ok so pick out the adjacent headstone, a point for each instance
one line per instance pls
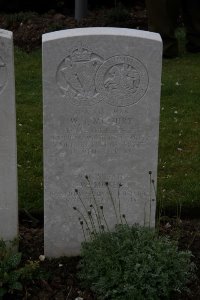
(8, 155)
(101, 127)
(80, 9)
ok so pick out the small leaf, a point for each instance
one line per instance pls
(14, 276)
(16, 286)
(14, 260)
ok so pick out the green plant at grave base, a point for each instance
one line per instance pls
(12, 274)
(134, 263)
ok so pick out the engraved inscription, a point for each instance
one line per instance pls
(76, 76)
(118, 186)
(100, 134)
(3, 74)
(122, 80)
(100, 144)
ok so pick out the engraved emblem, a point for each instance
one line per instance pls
(122, 80)
(3, 74)
(76, 76)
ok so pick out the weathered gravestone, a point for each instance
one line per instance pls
(8, 156)
(101, 125)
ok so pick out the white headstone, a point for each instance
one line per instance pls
(8, 155)
(101, 124)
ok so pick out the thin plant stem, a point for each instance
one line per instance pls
(69, 293)
(119, 201)
(102, 228)
(81, 222)
(77, 192)
(92, 221)
(124, 217)
(150, 198)
(145, 204)
(101, 207)
(83, 217)
(95, 212)
(154, 187)
(158, 205)
(112, 200)
(95, 202)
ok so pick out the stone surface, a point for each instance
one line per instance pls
(101, 124)
(8, 156)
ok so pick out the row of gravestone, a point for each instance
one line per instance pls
(101, 95)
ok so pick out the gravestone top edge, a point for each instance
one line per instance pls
(101, 31)
(6, 33)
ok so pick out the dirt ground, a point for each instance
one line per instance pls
(61, 282)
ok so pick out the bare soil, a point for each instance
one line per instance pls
(60, 281)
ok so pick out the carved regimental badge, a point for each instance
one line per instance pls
(122, 80)
(85, 78)
(3, 75)
(76, 76)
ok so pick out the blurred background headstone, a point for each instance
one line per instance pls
(80, 9)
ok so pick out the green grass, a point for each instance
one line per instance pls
(179, 147)
(29, 129)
